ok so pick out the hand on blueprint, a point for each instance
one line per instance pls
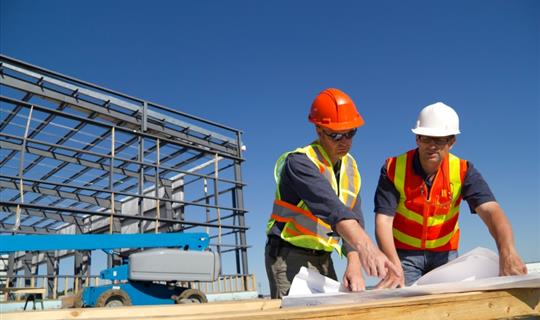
(510, 264)
(374, 262)
(392, 280)
(353, 279)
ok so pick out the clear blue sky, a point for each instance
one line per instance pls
(257, 65)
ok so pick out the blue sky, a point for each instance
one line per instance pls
(257, 65)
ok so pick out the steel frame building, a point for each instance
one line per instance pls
(77, 158)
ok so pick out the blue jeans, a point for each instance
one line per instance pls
(416, 263)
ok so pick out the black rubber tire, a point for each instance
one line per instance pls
(113, 298)
(191, 296)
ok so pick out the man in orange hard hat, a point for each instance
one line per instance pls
(318, 193)
(418, 197)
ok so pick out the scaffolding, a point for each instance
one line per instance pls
(77, 158)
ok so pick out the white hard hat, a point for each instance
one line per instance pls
(437, 120)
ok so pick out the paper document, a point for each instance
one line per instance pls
(495, 283)
(309, 281)
(476, 270)
(479, 263)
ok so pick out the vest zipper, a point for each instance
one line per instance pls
(424, 218)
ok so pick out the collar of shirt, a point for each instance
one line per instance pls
(418, 170)
(337, 167)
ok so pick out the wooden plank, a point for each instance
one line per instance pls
(6, 291)
(20, 293)
(23, 290)
(177, 310)
(463, 306)
(459, 306)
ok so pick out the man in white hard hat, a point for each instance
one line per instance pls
(418, 197)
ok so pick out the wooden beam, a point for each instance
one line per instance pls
(462, 306)
(177, 310)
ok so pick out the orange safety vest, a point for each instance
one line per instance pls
(302, 228)
(427, 221)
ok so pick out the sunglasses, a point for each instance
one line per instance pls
(338, 136)
(440, 141)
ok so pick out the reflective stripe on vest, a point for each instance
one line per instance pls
(302, 228)
(304, 223)
(422, 220)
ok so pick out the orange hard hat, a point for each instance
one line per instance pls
(335, 110)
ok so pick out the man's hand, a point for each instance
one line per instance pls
(510, 264)
(374, 262)
(353, 279)
(392, 281)
(385, 239)
(499, 226)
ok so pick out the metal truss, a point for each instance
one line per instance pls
(79, 158)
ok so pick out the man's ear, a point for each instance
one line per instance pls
(453, 141)
(318, 131)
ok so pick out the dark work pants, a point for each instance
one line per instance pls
(282, 268)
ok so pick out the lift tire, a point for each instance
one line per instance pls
(113, 298)
(191, 296)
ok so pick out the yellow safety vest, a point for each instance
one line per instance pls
(302, 228)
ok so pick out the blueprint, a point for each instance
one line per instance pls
(476, 270)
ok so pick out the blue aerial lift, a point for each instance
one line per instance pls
(148, 277)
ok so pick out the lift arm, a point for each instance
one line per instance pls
(191, 241)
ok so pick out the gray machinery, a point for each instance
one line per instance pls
(148, 277)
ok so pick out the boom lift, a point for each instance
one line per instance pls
(147, 277)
